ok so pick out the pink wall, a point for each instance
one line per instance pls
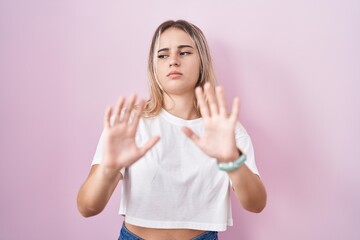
(295, 65)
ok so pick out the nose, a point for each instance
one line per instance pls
(174, 61)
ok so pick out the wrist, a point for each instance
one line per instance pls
(233, 165)
(109, 172)
(234, 156)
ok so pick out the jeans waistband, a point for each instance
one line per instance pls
(125, 234)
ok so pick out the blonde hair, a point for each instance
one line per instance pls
(155, 103)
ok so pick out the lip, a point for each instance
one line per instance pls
(174, 74)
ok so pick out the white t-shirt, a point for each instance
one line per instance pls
(176, 185)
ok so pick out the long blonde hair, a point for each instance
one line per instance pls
(155, 103)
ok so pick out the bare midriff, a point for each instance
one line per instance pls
(163, 234)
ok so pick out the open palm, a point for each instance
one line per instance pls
(218, 140)
(120, 148)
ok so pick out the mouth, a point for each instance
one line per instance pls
(174, 74)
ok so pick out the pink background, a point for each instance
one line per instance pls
(294, 64)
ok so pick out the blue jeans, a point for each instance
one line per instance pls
(125, 234)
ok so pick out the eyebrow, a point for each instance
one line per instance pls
(179, 47)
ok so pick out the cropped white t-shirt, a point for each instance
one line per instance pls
(176, 185)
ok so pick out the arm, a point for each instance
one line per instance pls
(219, 142)
(120, 151)
(248, 188)
(95, 193)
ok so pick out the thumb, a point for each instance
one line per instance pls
(190, 134)
(148, 145)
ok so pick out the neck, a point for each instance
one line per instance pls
(181, 106)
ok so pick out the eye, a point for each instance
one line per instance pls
(185, 53)
(163, 56)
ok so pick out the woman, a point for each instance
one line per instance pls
(178, 154)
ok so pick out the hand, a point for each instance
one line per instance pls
(120, 149)
(218, 140)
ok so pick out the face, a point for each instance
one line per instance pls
(178, 63)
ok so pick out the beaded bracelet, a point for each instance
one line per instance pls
(232, 166)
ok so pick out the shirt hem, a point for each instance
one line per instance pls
(177, 225)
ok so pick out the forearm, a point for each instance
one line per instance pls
(248, 188)
(95, 193)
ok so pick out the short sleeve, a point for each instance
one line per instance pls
(99, 150)
(243, 142)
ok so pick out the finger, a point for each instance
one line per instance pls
(221, 100)
(137, 117)
(129, 108)
(118, 109)
(204, 110)
(190, 134)
(209, 91)
(235, 109)
(107, 117)
(148, 145)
